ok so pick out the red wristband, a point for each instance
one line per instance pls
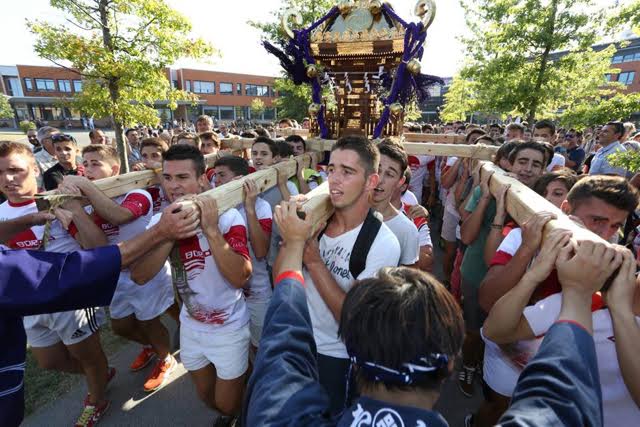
(294, 275)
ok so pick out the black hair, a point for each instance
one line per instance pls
(237, 165)
(531, 145)
(546, 124)
(264, 140)
(618, 127)
(396, 153)
(296, 139)
(284, 149)
(186, 152)
(613, 190)
(413, 316)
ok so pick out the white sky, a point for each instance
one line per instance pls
(224, 24)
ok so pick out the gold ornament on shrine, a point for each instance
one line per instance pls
(312, 71)
(375, 6)
(314, 109)
(414, 67)
(396, 109)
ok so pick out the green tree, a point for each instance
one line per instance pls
(460, 100)
(293, 100)
(257, 106)
(511, 55)
(122, 49)
(6, 112)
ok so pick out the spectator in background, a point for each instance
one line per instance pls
(133, 142)
(189, 139)
(209, 143)
(609, 139)
(32, 137)
(306, 123)
(97, 136)
(204, 124)
(545, 130)
(66, 149)
(514, 131)
(575, 153)
(45, 158)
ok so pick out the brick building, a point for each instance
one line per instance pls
(36, 93)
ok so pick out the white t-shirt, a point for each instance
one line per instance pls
(424, 233)
(259, 286)
(59, 239)
(419, 172)
(273, 195)
(407, 234)
(336, 252)
(618, 406)
(558, 160)
(408, 198)
(449, 201)
(210, 301)
(160, 201)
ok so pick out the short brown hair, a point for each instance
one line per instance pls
(567, 177)
(396, 153)
(613, 190)
(10, 147)
(210, 136)
(190, 137)
(205, 118)
(107, 152)
(154, 142)
(366, 150)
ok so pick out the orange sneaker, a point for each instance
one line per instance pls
(160, 374)
(144, 358)
(91, 414)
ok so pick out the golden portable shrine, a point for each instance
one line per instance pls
(365, 57)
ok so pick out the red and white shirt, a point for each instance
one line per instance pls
(210, 301)
(159, 199)
(424, 234)
(259, 286)
(421, 167)
(59, 239)
(140, 204)
(507, 249)
(618, 406)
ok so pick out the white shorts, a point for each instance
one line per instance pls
(70, 327)
(257, 311)
(145, 302)
(227, 350)
(449, 224)
(499, 373)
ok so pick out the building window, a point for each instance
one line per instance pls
(28, 84)
(627, 58)
(226, 88)
(226, 113)
(239, 88)
(257, 90)
(64, 86)
(607, 77)
(187, 85)
(45, 85)
(204, 87)
(627, 77)
(77, 85)
(269, 113)
(617, 59)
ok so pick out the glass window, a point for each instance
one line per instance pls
(226, 88)
(64, 85)
(204, 87)
(627, 77)
(187, 85)
(238, 88)
(257, 90)
(45, 85)
(269, 113)
(627, 58)
(226, 113)
(28, 84)
(617, 59)
(211, 111)
(607, 77)
(636, 57)
(77, 85)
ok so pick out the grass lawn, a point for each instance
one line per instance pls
(13, 136)
(42, 386)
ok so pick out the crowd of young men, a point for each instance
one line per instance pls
(217, 285)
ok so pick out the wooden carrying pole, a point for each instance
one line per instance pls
(231, 194)
(118, 185)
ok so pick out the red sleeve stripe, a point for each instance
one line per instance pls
(236, 237)
(137, 204)
(500, 258)
(73, 230)
(266, 224)
(292, 275)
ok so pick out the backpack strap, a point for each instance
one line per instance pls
(364, 241)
